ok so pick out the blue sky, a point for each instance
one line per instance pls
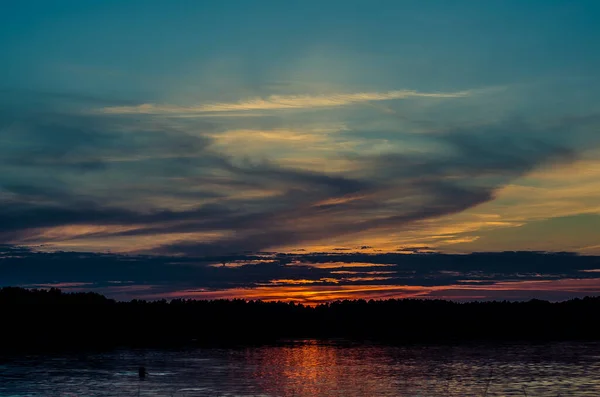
(148, 47)
(210, 128)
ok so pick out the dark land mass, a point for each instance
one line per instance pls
(45, 320)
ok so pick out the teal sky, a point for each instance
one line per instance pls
(207, 128)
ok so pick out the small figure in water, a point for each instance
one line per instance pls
(142, 372)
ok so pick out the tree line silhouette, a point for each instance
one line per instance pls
(39, 320)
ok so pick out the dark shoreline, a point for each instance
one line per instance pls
(52, 321)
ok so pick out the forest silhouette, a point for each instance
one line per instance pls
(41, 320)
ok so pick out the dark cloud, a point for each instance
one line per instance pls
(22, 266)
(73, 168)
(473, 166)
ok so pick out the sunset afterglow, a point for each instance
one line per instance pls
(307, 152)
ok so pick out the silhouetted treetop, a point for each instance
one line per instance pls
(51, 319)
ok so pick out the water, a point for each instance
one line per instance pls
(312, 369)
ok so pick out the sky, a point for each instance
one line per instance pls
(237, 141)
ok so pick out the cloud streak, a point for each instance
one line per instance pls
(164, 186)
(281, 102)
(309, 278)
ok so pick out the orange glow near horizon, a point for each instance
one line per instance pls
(315, 294)
(303, 294)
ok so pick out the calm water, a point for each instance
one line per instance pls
(313, 369)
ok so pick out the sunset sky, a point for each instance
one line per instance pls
(196, 142)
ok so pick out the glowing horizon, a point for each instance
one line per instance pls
(304, 129)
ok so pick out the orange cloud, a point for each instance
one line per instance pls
(335, 265)
(315, 294)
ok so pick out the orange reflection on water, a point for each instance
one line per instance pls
(312, 369)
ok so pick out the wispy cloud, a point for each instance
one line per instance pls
(276, 102)
(184, 186)
(308, 278)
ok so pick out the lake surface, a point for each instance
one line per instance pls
(310, 368)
